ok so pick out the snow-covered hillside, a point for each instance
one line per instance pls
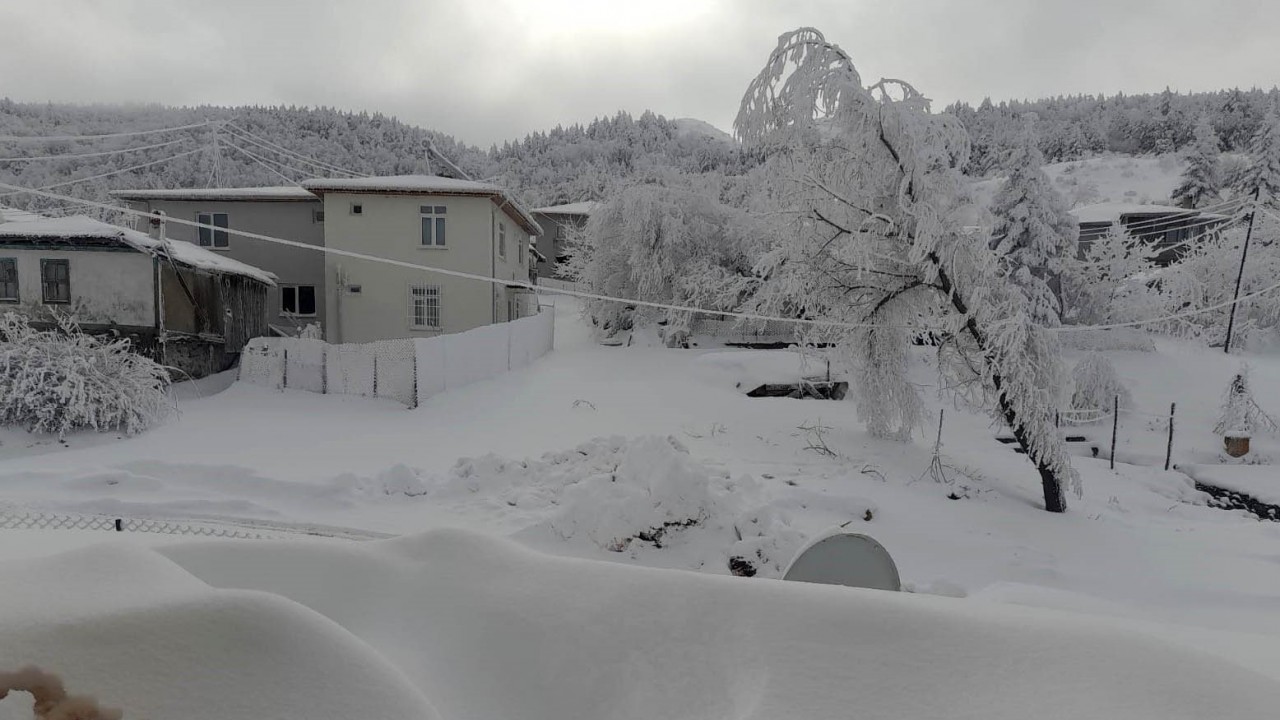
(1111, 178)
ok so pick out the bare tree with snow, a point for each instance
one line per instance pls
(1096, 282)
(1096, 388)
(878, 240)
(1202, 180)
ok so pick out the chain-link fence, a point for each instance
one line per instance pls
(246, 529)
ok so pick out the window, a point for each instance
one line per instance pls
(317, 216)
(55, 281)
(298, 300)
(210, 237)
(424, 306)
(357, 208)
(502, 240)
(432, 225)
(8, 280)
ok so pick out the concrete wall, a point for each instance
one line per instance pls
(389, 227)
(291, 220)
(108, 287)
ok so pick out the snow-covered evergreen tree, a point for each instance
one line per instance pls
(1263, 175)
(1109, 266)
(1095, 385)
(1240, 413)
(1033, 230)
(878, 240)
(1201, 182)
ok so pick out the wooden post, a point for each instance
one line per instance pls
(1244, 253)
(1168, 453)
(1115, 429)
(284, 373)
(324, 369)
(375, 374)
(414, 403)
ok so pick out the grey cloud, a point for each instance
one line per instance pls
(486, 71)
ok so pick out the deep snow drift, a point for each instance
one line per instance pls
(481, 628)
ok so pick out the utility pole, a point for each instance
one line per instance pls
(1244, 253)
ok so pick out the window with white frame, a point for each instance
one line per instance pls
(211, 237)
(432, 218)
(298, 300)
(9, 280)
(424, 307)
(502, 240)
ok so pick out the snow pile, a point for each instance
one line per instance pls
(486, 629)
(638, 496)
(57, 381)
(746, 370)
(137, 632)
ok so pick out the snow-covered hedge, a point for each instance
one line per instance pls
(57, 381)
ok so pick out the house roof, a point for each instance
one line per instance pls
(281, 193)
(578, 208)
(80, 227)
(427, 185)
(8, 214)
(1110, 212)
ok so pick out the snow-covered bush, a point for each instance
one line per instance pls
(60, 380)
(1240, 414)
(1095, 387)
(1095, 281)
(49, 697)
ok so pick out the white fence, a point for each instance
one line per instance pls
(408, 370)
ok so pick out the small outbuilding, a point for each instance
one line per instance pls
(186, 307)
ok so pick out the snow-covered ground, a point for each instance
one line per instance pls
(591, 448)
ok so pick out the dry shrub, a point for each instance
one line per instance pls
(51, 699)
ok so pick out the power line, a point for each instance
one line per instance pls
(242, 134)
(102, 175)
(73, 138)
(606, 298)
(263, 163)
(93, 154)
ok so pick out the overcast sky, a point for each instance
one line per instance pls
(489, 70)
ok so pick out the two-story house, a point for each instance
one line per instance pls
(287, 212)
(455, 225)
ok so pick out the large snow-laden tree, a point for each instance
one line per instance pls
(1201, 182)
(879, 241)
(1033, 231)
(676, 245)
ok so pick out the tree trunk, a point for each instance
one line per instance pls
(1055, 500)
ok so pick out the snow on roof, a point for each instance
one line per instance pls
(1110, 212)
(8, 214)
(184, 253)
(424, 185)
(578, 208)
(281, 193)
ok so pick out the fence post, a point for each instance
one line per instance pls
(324, 369)
(284, 372)
(375, 373)
(1115, 429)
(415, 374)
(1168, 453)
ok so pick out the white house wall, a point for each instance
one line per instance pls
(107, 287)
(389, 227)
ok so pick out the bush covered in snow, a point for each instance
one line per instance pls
(1095, 387)
(60, 380)
(637, 496)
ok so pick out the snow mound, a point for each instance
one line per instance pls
(748, 369)
(488, 629)
(137, 632)
(638, 496)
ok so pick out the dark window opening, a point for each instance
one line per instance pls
(55, 281)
